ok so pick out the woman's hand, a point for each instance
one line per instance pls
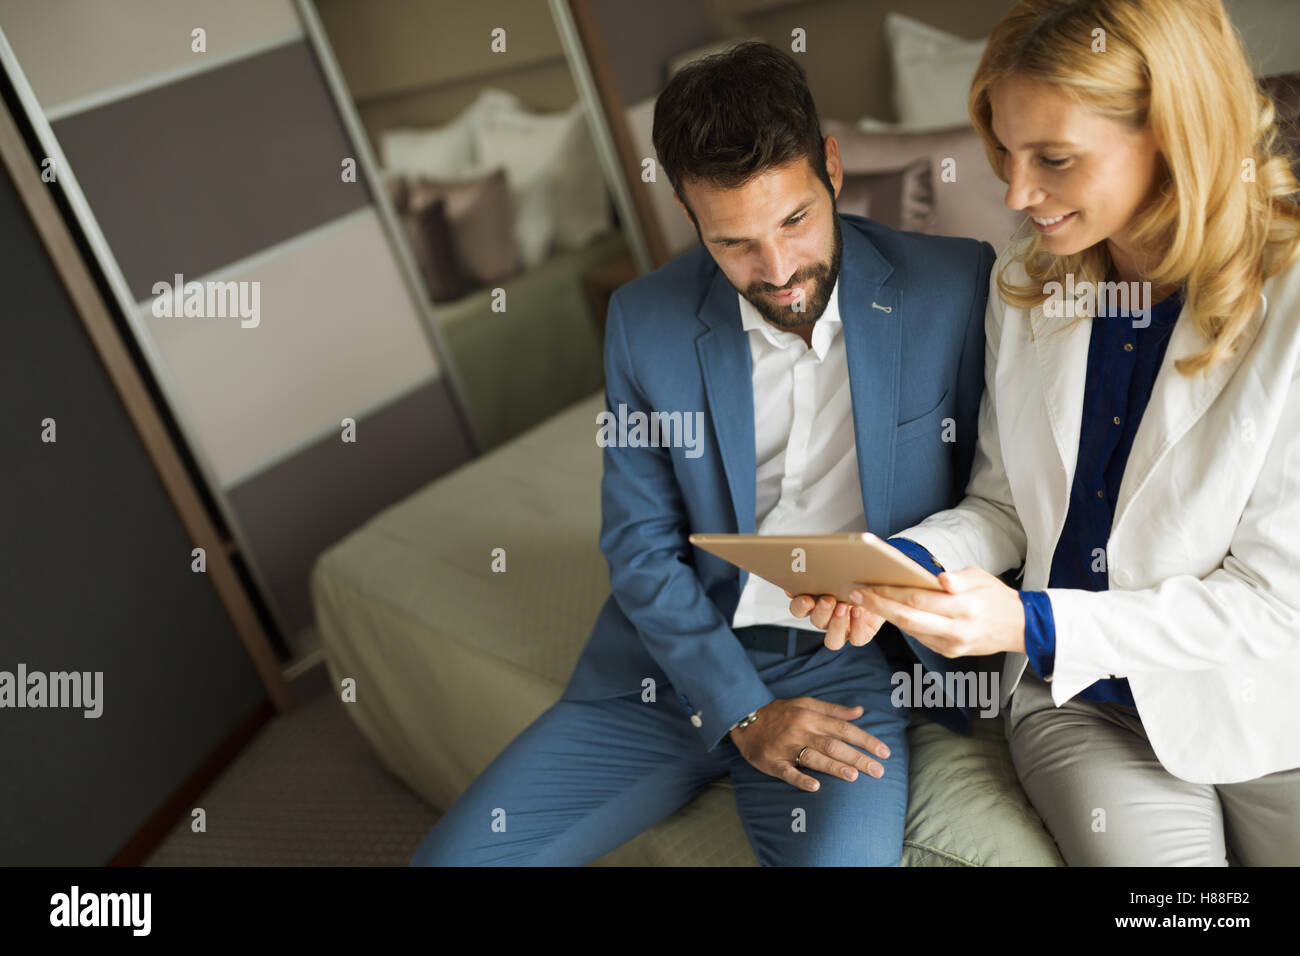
(837, 619)
(975, 614)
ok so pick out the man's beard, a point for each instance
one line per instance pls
(817, 297)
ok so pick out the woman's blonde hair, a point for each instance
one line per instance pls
(1221, 221)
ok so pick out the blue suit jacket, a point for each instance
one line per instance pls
(912, 308)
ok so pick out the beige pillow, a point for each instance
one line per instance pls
(677, 231)
(481, 215)
(969, 205)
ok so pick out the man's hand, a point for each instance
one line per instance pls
(837, 619)
(785, 727)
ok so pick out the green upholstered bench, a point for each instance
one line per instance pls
(542, 353)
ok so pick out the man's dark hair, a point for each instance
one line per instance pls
(730, 116)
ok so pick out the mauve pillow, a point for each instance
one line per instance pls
(970, 205)
(899, 198)
(433, 244)
(482, 219)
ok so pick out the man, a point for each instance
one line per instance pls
(837, 366)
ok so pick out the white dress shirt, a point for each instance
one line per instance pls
(807, 461)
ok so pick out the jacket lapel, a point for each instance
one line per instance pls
(1061, 344)
(872, 316)
(728, 382)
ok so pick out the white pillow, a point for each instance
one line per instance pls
(582, 204)
(554, 175)
(933, 70)
(443, 152)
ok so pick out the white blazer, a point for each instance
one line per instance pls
(1203, 560)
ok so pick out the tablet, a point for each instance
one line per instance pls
(819, 563)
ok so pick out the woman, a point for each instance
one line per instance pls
(1144, 468)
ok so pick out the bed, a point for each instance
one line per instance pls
(452, 659)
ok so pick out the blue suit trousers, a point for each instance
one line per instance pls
(588, 776)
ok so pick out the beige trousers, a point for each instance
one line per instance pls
(1092, 776)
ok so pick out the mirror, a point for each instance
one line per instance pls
(486, 152)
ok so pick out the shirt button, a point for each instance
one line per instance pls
(1101, 494)
(695, 719)
(1128, 346)
(1116, 419)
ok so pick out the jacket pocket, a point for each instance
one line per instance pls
(921, 424)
